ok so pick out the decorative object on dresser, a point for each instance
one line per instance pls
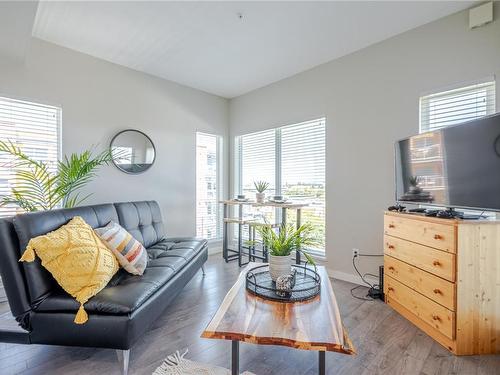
(247, 318)
(261, 187)
(442, 275)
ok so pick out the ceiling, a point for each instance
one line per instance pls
(228, 48)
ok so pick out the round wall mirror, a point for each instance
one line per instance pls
(133, 151)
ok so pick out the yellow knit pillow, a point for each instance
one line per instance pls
(77, 258)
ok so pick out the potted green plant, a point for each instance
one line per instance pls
(261, 187)
(282, 243)
(414, 181)
(39, 188)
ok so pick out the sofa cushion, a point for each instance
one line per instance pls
(77, 258)
(183, 248)
(39, 281)
(142, 220)
(125, 293)
(130, 253)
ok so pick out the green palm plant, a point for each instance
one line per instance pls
(39, 188)
(289, 239)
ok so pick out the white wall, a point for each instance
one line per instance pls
(370, 99)
(98, 99)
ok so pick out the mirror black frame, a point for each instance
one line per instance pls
(147, 137)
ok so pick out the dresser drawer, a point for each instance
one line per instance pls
(439, 236)
(433, 287)
(437, 262)
(425, 309)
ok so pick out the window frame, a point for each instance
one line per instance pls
(462, 86)
(238, 166)
(219, 188)
(58, 119)
(472, 85)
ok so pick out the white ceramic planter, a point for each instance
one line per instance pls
(260, 197)
(279, 266)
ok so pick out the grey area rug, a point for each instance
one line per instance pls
(176, 364)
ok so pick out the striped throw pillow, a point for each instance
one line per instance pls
(130, 253)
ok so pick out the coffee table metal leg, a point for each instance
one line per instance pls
(235, 357)
(322, 363)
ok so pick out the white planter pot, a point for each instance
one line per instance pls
(279, 266)
(260, 197)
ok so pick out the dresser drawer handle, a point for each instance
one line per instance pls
(437, 291)
(435, 317)
(438, 237)
(392, 226)
(391, 268)
(436, 263)
(390, 289)
(389, 246)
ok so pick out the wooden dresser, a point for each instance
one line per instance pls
(444, 276)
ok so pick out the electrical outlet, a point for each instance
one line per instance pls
(355, 253)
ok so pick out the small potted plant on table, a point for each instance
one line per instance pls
(281, 245)
(414, 182)
(261, 187)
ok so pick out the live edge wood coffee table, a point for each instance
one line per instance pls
(310, 325)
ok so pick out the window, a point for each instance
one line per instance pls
(258, 161)
(444, 109)
(455, 106)
(35, 128)
(292, 160)
(208, 186)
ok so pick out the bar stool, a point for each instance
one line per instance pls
(253, 252)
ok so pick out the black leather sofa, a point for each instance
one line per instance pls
(124, 309)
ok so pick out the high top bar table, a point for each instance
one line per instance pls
(240, 221)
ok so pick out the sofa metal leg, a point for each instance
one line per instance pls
(123, 358)
(203, 270)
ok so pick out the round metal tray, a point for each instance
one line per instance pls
(307, 284)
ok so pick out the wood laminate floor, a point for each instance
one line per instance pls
(386, 342)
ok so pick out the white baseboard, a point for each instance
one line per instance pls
(352, 278)
(214, 249)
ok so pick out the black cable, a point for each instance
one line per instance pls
(371, 287)
(360, 298)
(359, 273)
(370, 255)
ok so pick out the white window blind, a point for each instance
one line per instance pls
(303, 170)
(258, 161)
(292, 160)
(35, 129)
(455, 106)
(448, 108)
(208, 186)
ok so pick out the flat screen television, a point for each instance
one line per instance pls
(455, 167)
